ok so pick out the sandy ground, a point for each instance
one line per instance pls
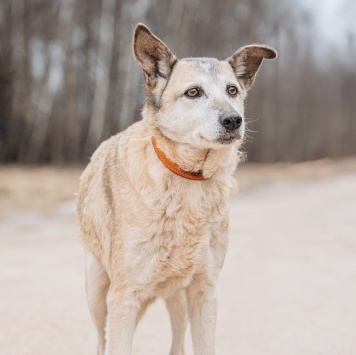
(288, 286)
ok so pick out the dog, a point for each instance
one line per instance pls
(153, 202)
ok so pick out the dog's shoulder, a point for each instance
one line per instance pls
(104, 185)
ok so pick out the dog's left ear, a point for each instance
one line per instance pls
(153, 56)
(247, 61)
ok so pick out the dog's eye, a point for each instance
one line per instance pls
(193, 92)
(232, 90)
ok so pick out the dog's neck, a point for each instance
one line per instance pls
(191, 159)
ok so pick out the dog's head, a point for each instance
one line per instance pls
(199, 101)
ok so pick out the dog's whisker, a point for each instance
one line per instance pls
(249, 122)
(251, 118)
(250, 130)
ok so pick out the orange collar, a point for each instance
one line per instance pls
(174, 167)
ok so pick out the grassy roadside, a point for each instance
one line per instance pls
(39, 188)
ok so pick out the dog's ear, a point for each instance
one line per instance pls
(153, 56)
(247, 61)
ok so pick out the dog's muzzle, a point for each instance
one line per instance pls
(231, 121)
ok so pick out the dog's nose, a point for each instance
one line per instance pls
(231, 122)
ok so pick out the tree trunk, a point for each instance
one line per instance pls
(102, 75)
(49, 89)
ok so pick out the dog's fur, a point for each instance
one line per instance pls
(148, 232)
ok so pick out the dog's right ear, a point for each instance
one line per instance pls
(153, 56)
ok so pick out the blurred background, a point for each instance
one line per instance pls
(68, 81)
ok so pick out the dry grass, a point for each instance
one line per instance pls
(251, 175)
(35, 188)
(39, 188)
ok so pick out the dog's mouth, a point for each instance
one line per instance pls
(224, 139)
(227, 140)
(229, 137)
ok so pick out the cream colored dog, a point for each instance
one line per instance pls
(153, 202)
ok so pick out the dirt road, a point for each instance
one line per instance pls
(288, 286)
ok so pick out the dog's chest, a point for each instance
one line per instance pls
(187, 210)
(179, 224)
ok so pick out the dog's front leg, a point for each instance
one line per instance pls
(123, 307)
(177, 308)
(201, 298)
